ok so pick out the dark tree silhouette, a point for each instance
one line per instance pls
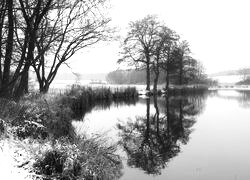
(139, 45)
(68, 28)
(166, 37)
(44, 35)
(16, 65)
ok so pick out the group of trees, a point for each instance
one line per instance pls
(152, 46)
(41, 35)
(135, 76)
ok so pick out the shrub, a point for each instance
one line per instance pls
(10, 110)
(38, 116)
(31, 129)
(85, 159)
(52, 162)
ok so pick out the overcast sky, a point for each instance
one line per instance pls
(218, 32)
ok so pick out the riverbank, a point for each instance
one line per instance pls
(29, 159)
(38, 139)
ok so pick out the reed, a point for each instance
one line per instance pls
(83, 99)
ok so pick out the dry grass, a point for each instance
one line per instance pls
(83, 159)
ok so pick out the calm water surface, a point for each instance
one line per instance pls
(196, 137)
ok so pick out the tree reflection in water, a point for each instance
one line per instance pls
(152, 140)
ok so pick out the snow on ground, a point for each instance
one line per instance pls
(13, 153)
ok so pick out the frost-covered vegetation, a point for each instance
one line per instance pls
(37, 135)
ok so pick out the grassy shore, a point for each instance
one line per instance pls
(38, 128)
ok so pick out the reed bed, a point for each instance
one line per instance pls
(83, 99)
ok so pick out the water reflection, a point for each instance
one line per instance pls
(102, 105)
(151, 141)
(154, 131)
(242, 97)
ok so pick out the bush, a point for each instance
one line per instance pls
(38, 117)
(52, 163)
(24, 119)
(85, 159)
(31, 129)
(10, 110)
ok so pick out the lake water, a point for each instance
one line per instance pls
(195, 137)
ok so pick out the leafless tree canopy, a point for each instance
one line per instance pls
(44, 34)
(151, 45)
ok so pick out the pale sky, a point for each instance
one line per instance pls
(218, 32)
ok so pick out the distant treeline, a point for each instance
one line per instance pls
(129, 77)
(138, 77)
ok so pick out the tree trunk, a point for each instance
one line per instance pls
(148, 120)
(43, 87)
(181, 71)
(26, 82)
(9, 50)
(156, 81)
(156, 114)
(168, 114)
(148, 77)
(2, 17)
(181, 75)
(167, 81)
(22, 86)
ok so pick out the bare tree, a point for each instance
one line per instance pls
(166, 37)
(8, 47)
(20, 46)
(70, 27)
(9, 44)
(186, 68)
(139, 45)
(2, 18)
(183, 57)
(33, 13)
